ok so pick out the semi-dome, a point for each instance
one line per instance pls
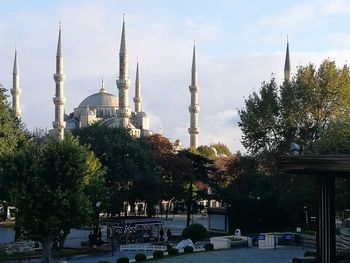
(100, 99)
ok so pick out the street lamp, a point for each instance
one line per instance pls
(306, 211)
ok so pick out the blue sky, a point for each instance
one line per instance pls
(239, 45)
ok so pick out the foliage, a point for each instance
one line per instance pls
(221, 149)
(49, 181)
(170, 167)
(195, 232)
(130, 166)
(209, 247)
(200, 172)
(158, 254)
(264, 202)
(188, 249)
(123, 260)
(206, 152)
(173, 252)
(12, 135)
(140, 257)
(299, 111)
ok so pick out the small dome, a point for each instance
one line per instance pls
(100, 99)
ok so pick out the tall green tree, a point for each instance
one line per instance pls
(11, 131)
(50, 188)
(170, 167)
(129, 164)
(298, 111)
(12, 137)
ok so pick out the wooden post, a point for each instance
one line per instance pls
(326, 241)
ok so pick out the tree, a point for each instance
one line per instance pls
(221, 149)
(199, 176)
(129, 165)
(206, 152)
(50, 185)
(12, 136)
(299, 111)
(170, 167)
(11, 131)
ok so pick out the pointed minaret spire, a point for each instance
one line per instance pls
(194, 107)
(287, 64)
(59, 123)
(123, 83)
(137, 98)
(15, 91)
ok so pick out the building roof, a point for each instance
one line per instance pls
(100, 99)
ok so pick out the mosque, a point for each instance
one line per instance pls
(104, 107)
(109, 109)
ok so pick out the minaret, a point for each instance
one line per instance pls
(287, 64)
(137, 98)
(194, 108)
(15, 91)
(59, 100)
(123, 83)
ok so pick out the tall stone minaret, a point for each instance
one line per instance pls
(194, 108)
(59, 100)
(137, 98)
(287, 64)
(15, 91)
(123, 83)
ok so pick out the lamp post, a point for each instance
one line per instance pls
(306, 211)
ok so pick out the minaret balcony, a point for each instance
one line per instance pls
(59, 124)
(194, 88)
(123, 83)
(193, 108)
(137, 99)
(193, 130)
(59, 100)
(124, 113)
(15, 92)
(59, 77)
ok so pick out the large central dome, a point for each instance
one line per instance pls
(100, 99)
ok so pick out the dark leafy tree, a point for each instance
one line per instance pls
(129, 165)
(50, 188)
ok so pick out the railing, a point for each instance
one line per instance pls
(142, 247)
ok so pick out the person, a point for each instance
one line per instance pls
(108, 234)
(91, 239)
(161, 234)
(99, 235)
(168, 233)
(114, 241)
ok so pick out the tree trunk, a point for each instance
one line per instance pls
(189, 205)
(6, 214)
(46, 250)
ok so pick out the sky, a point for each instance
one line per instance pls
(239, 44)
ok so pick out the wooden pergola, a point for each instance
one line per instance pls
(325, 168)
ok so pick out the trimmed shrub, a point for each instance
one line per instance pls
(310, 254)
(123, 260)
(195, 232)
(188, 249)
(168, 247)
(173, 252)
(209, 247)
(158, 254)
(140, 257)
